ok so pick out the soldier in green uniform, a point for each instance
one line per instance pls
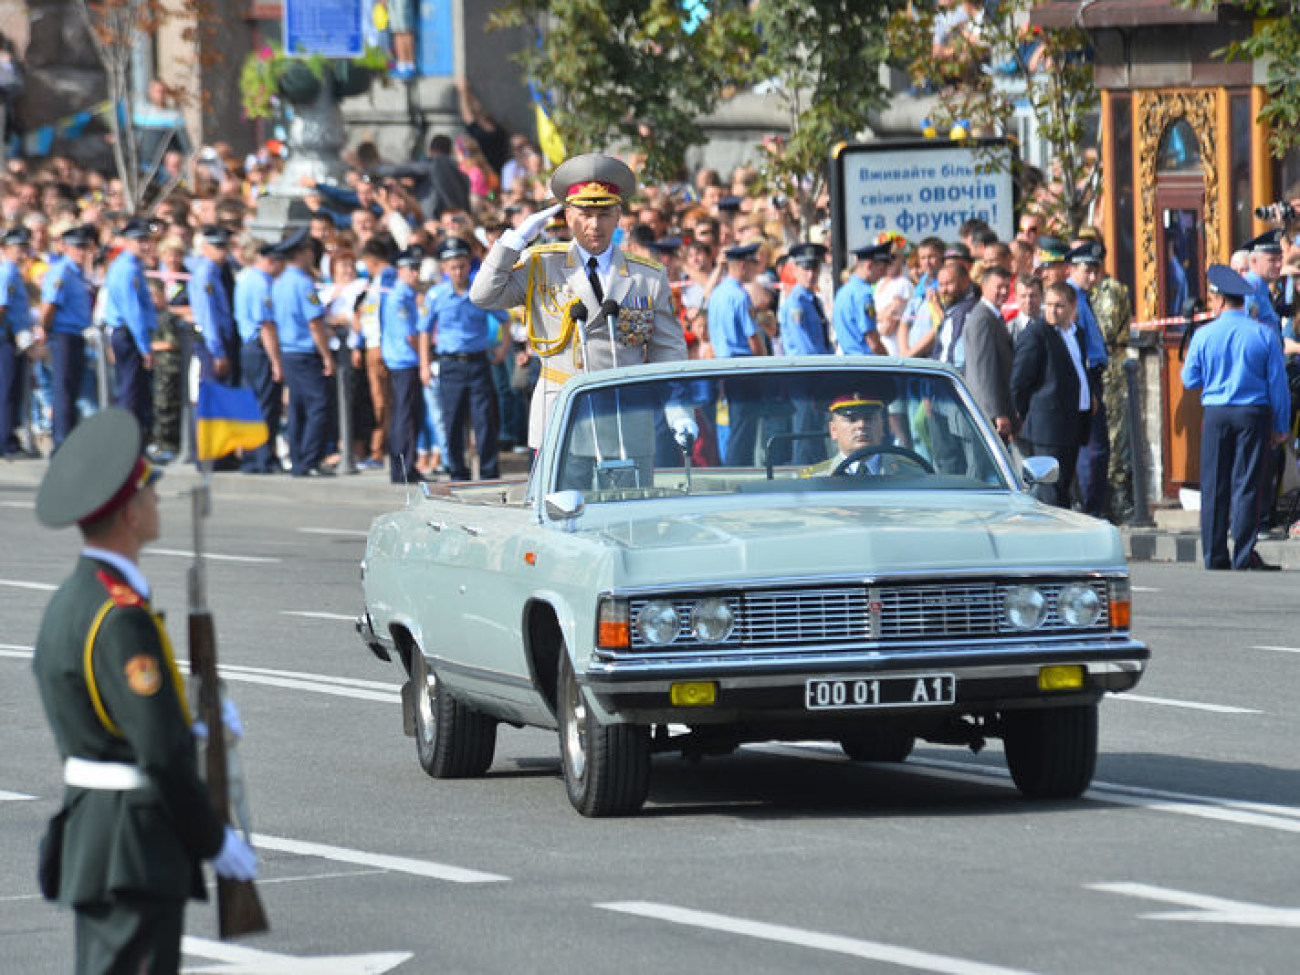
(138, 819)
(166, 434)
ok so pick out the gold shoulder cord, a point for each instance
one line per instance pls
(168, 656)
(545, 347)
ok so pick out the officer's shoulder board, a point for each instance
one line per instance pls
(648, 262)
(121, 594)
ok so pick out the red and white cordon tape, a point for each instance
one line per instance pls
(1155, 323)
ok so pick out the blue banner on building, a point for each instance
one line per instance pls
(330, 28)
(436, 56)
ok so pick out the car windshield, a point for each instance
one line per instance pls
(779, 431)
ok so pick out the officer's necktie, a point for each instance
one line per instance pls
(821, 313)
(594, 278)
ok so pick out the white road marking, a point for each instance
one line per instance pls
(349, 532)
(1166, 702)
(1143, 589)
(14, 796)
(312, 615)
(17, 651)
(17, 504)
(1216, 910)
(213, 556)
(418, 868)
(238, 960)
(873, 950)
(23, 584)
(362, 690)
(1279, 649)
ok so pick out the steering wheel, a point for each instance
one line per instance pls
(862, 453)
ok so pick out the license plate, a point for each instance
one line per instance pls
(876, 692)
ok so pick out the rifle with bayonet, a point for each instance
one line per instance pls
(239, 909)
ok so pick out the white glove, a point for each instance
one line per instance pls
(517, 238)
(236, 858)
(686, 431)
(229, 718)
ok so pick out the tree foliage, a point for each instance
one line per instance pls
(1275, 40)
(115, 26)
(1004, 62)
(628, 71)
(822, 60)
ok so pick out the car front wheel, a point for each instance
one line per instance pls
(606, 766)
(452, 740)
(1051, 752)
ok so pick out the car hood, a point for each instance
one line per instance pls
(884, 536)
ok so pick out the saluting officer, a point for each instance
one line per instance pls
(65, 315)
(1236, 362)
(404, 344)
(213, 319)
(464, 336)
(137, 817)
(853, 312)
(551, 280)
(305, 355)
(805, 330)
(130, 315)
(15, 317)
(259, 350)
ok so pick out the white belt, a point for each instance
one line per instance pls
(110, 776)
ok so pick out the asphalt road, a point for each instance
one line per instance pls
(1182, 858)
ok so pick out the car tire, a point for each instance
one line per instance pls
(1051, 752)
(878, 745)
(606, 766)
(452, 740)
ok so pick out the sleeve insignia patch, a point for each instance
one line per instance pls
(143, 675)
(313, 298)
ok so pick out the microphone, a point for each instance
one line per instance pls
(608, 307)
(579, 312)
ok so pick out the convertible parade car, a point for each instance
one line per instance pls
(718, 552)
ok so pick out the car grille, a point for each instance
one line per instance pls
(858, 614)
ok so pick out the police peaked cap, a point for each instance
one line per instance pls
(957, 252)
(730, 204)
(1092, 252)
(1269, 242)
(666, 245)
(453, 247)
(215, 236)
(138, 228)
(1223, 280)
(593, 180)
(741, 252)
(18, 236)
(807, 255)
(97, 470)
(410, 257)
(1051, 250)
(292, 244)
(82, 235)
(874, 252)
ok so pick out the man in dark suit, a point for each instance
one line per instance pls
(1049, 388)
(137, 817)
(988, 351)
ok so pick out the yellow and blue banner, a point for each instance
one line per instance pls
(226, 419)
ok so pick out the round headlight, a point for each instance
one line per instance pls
(1026, 607)
(712, 620)
(1079, 605)
(658, 622)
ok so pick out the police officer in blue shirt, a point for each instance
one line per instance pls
(853, 313)
(1236, 363)
(259, 353)
(404, 344)
(15, 317)
(1265, 262)
(129, 314)
(465, 337)
(735, 334)
(305, 355)
(805, 330)
(213, 319)
(65, 315)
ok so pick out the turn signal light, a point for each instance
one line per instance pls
(696, 693)
(613, 630)
(1069, 678)
(1120, 614)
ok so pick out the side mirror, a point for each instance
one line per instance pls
(564, 505)
(1040, 470)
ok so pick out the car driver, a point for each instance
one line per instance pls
(858, 422)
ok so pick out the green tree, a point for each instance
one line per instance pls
(1275, 41)
(982, 74)
(629, 71)
(821, 59)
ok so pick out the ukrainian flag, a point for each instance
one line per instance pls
(226, 419)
